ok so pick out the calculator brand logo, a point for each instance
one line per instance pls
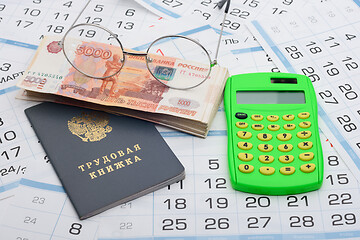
(90, 127)
(54, 47)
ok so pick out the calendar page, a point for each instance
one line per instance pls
(208, 11)
(17, 142)
(30, 21)
(323, 43)
(203, 205)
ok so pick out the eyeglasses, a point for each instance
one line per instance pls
(96, 52)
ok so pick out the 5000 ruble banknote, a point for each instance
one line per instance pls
(134, 87)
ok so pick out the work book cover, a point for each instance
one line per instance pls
(103, 160)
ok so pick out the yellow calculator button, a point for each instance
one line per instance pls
(286, 158)
(245, 156)
(303, 134)
(266, 158)
(305, 124)
(289, 126)
(304, 115)
(285, 147)
(272, 118)
(241, 124)
(244, 134)
(284, 136)
(288, 117)
(246, 168)
(307, 168)
(265, 147)
(306, 156)
(257, 127)
(244, 145)
(264, 136)
(287, 170)
(305, 145)
(273, 127)
(267, 170)
(257, 117)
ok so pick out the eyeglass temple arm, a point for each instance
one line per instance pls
(220, 5)
(78, 16)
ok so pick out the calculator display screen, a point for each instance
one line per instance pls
(270, 97)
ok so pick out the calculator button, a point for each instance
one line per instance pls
(273, 127)
(267, 170)
(289, 126)
(266, 158)
(307, 168)
(244, 134)
(288, 117)
(272, 118)
(244, 145)
(306, 124)
(287, 170)
(257, 117)
(286, 158)
(241, 115)
(241, 124)
(304, 115)
(306, 156)
(246, 168)
(284, 136)
(265, 147)
(264, 136)
(303, 134)
(285, 147)
(257, 127)
(305, 145)
(245, 156)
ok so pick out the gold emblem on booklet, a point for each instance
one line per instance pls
(91, 126)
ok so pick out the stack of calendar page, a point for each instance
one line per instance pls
(319, 39)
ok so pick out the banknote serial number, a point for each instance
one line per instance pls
(47, 75)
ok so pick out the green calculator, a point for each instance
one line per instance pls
(273, 136)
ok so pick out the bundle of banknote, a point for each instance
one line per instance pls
(133, 92)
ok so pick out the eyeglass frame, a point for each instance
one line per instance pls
(212, 62)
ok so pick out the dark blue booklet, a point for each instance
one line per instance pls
(103, 160)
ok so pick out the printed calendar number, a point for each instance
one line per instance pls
(220, 202)
(204, 14)
(348, 91)
(340, 179)
(5, 67)
(295, 201)
(218, 183)
(345, 219)
(12, 170)
(294, 52)
(251, 3)
(333, 161)
(258, 202)
(174, 224)
(301, 221)
(339, 199)
(258, 222)
(75, 229)
(179, 203)
(310, 73)
(10, 153)
(346, 123)
(217, 223)
(214, 164)
(172, 3)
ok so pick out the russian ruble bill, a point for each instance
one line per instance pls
(132, 88)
